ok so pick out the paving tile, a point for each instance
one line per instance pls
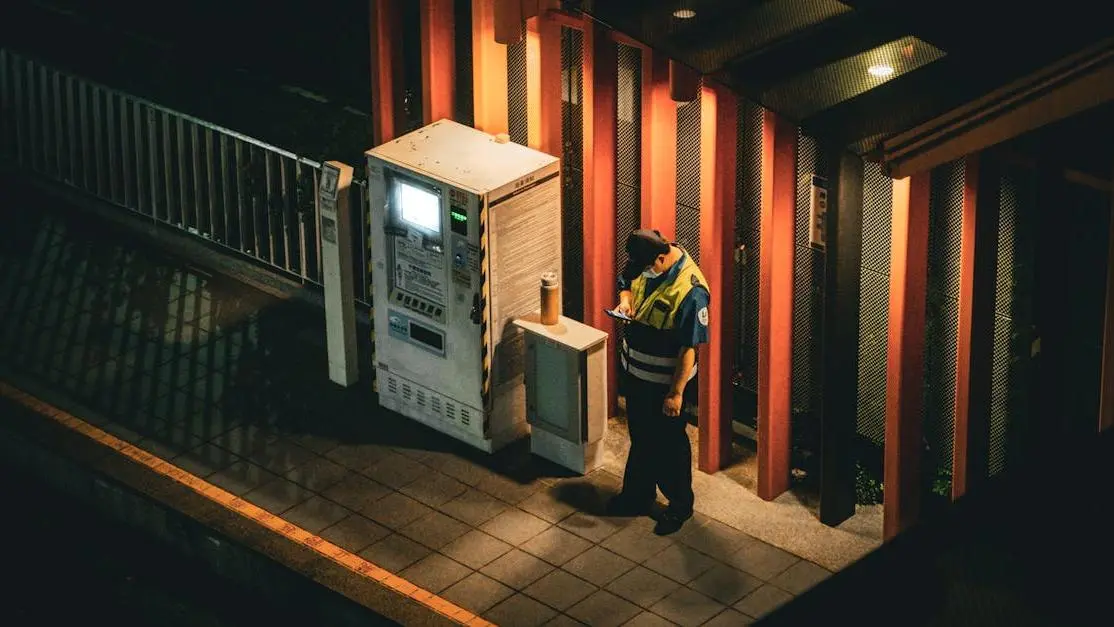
(279, 495)
(476, 549)
(242, 477)
(316, 514)
(636, 543)
(356, 492)
(474, 507)
(603, 609)
(515, 526)
(477, 593)
(435, 572)
(563, 620)
(358, 457)
(800, 577)
(592, 528)
(464, 471)
(556, 546)
(546, 506)
(680, 563)
(281, 456)
(394, 552)
(355, 533)
(396, 511)
(729, 618)
(726, 584)
(318, 473)
(559, 589)
(598, 565)
(711, 537)
(763, 601)
(204, 460)
(648, 619)
(642, 586)
(517, 569)
(435, 530)
(519, 610)
(507, 490)
(687, 607)
(395, 471)
(760, 559)
(319, 444)
(434, 489)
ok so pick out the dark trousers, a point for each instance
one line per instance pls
(660, 456)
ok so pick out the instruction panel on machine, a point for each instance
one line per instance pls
(418, 270)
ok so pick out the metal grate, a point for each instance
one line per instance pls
(808, 281)
(517, 109)
(572, 163)
(874, 303)
(748, 232)
(688, 177)
(464, 106)
(628, 168)
(942, 310)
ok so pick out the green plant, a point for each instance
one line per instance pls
(868, 488)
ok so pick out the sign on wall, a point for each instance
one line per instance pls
(817, 213)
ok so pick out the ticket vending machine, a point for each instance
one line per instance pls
(463, 224)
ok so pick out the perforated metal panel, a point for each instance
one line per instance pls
(572, 155)
(463, 106)
(748, 232)
(874, 277)
(628, 148)
(688, 177)
(808, 282)
(517, 112)
(942, 311)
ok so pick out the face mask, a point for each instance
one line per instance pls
(650, 274)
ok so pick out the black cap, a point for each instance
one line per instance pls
(644, 245)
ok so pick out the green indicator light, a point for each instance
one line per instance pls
(459, 217)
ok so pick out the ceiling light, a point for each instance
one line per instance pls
(880, 70)
(684, 14)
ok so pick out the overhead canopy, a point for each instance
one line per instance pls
(859, 72)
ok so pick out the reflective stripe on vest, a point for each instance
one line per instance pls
(650, 367)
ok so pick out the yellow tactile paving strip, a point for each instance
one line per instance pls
(230, 501)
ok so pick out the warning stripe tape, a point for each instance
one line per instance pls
(485, 299)
(232, 502)
(370, 287)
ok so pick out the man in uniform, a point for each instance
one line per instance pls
(666, 295)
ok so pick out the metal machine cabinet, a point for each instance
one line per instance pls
(566, 391)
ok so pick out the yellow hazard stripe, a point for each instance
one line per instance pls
(230, 501)
(485, 303)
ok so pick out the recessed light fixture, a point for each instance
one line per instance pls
(880, 70)
(684, 14)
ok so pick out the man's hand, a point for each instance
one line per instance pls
(672, 405)
(624, 306)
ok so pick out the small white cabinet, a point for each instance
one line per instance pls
(566, 391)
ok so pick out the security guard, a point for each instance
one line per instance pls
(666, 295)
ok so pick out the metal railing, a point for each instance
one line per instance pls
(219, 185)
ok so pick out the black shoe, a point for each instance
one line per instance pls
(625, 506)
(671, 521)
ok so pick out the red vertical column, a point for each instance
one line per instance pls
(438, 59)
(489, 71)
(718, 136)
(543, 84)
(975, 337)
(600, 94)
(905, 352)
(386, 68)
(659, 147)
(775, 304)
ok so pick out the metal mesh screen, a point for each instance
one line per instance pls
(628, 167)
(874, 300)
(748, 232)
(463, 104)
(688, 177)
(942, 311)
(808, 282)
(517, 109)
(411, 118)
(572, 175)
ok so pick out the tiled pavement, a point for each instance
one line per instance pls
(231, 385)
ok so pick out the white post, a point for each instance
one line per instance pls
(336, 262)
